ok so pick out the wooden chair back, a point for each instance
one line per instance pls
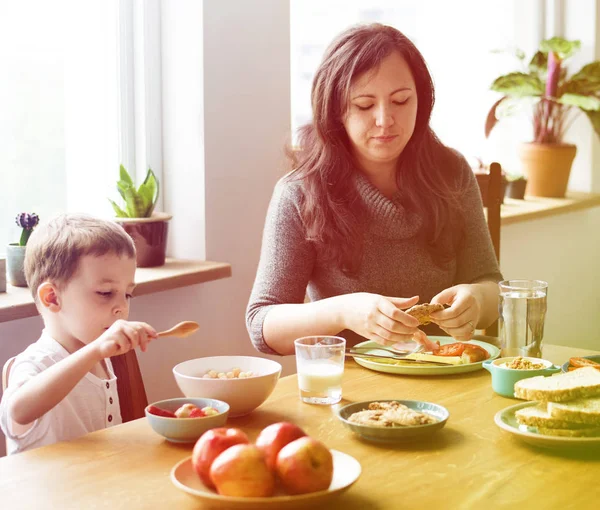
(490, 186)
(132, 393)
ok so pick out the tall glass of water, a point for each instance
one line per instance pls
(522, 316)
(320, 365)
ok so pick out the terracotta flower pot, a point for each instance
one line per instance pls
(15, 261)
(547, 167)
(149, 236)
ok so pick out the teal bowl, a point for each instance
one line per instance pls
(504, 379)
(186, 430)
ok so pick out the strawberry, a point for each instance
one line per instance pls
(160, 412)
(196, 413)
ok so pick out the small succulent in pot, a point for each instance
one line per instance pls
(140, 202)
(15, 252)
(147, 228)
(27, 222)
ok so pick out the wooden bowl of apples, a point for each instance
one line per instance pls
(284, 468)
(184, 420)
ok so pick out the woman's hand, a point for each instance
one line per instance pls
(461, 319)
(124, 336)
(382, 319)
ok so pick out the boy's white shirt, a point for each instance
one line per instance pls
(85, 409)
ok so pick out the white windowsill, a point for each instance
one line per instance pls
(17, 302)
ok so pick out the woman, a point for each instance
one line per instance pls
(376, 214)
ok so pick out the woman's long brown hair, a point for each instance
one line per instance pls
(427, 171)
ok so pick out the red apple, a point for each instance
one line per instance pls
(305, 465)
(242, 471)
(210, 445)
(274, 437)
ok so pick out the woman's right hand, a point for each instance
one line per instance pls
(382, 319)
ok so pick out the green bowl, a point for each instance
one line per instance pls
(186, 430)
(394, 434)
(504, 379)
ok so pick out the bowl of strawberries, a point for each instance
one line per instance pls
(184, 420)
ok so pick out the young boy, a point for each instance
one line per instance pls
(81, 272)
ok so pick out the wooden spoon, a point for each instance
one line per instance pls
(183, 329)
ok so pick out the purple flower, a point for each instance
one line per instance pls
(27, 221)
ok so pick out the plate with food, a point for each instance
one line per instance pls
(346, 470)
(393, 420)
(563, 410)
(580, 362)
(452, 358)
(534, 424)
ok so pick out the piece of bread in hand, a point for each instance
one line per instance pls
(583, 382)
(581, 410)
(539, 416)
(421, 312)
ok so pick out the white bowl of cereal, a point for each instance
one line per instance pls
(244, 382)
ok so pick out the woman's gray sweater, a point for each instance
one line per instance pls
(395, 260)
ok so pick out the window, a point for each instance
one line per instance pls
(79, 94)
(456, 39)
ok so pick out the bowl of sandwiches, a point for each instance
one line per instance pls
(563, 409)
(509, 370)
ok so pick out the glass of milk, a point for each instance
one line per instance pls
(320, 365)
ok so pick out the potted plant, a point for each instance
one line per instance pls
(515, 186)
(15, 252)
(555, 98)
(147, 228)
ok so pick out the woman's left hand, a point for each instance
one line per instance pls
(461, 319)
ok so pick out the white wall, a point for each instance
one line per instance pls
(225, 115)
(564, 251)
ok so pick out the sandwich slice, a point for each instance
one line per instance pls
(580, 383)
(581, 410)
(589, 432)
(539, 416)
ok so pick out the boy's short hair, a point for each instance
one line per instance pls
(56, 246)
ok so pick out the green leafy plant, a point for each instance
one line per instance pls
(27, 222)
(140, 202)
(554, 97)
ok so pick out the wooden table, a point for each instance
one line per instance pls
(471, 463)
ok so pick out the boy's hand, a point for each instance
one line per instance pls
(123, 336)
